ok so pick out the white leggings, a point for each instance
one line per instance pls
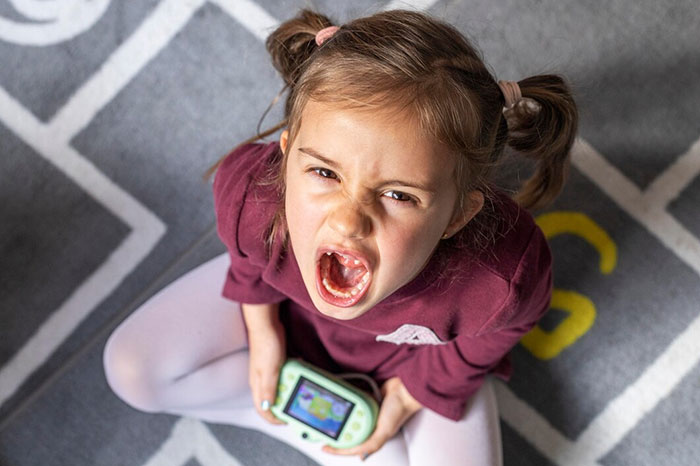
(184, 352)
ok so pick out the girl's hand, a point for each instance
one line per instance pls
(267, 355)
(397, 407)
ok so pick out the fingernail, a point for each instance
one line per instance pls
(265, 405)
(365, 456)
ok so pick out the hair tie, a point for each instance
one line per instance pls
(511, 92)
(325, 34)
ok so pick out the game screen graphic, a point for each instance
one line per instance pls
(319, 408)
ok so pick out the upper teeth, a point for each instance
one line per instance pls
(346, 259)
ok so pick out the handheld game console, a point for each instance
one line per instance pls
(322, 407)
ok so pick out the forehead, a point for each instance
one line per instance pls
(384, 142)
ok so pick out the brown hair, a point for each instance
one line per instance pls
(410, 61)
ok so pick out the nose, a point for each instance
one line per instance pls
(350, 221)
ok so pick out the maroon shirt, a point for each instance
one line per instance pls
(440, 333)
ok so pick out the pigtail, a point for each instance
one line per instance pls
(290, 46)
(293, 42)
(542, 127)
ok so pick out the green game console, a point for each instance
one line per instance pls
(323, 407)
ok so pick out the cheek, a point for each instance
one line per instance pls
(407, 249)
(303, 213)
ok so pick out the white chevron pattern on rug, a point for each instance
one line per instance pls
(53, 141)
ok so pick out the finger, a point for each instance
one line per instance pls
(268, 395)
(263, 401)
(264, 410)
(262, 406)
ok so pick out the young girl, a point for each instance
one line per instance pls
(369, 239)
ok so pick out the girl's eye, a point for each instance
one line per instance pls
(399, 197)
(325, 173)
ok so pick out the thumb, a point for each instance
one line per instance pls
(268, 391)
(268, 395)
(268, 385)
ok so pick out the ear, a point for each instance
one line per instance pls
(284, 137)
(475, 201)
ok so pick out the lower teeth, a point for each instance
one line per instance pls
(333, 291)
(345, 294)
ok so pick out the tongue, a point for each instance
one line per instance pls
(342, 276)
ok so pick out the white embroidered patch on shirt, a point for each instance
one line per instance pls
(412, 335)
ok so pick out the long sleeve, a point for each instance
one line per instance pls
(453, 372)
(242, 219)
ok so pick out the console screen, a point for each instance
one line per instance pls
(319, 408)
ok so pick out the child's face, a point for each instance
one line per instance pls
(367, 201)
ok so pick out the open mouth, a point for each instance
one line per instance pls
(342, 279)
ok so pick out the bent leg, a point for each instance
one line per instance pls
(184, 352)
(393, 453)
(184, 348)
(475, 440)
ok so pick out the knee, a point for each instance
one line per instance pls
(128, 374)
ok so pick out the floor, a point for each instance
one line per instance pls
(109, 117)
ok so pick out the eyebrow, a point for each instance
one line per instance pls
(333, 164)
(313, 153)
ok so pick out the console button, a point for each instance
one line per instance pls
(356, 426)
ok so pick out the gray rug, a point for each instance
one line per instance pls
(109, 116)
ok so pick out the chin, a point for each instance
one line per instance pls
(339, 313)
